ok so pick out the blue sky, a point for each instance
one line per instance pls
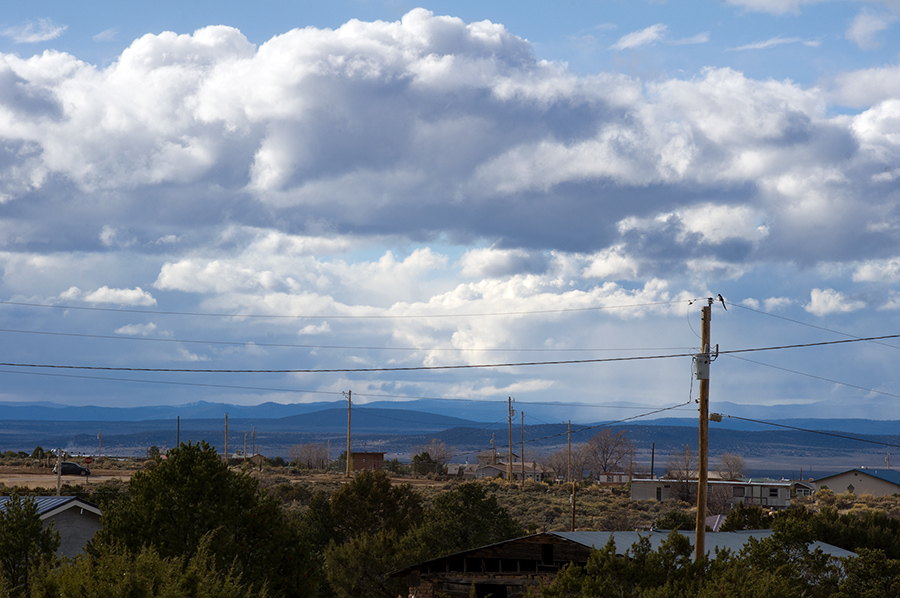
(376, 185)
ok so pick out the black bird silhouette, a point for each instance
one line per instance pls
(723, 302)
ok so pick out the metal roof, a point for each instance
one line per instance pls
(888, 475)
(733, 541)
(48, 506)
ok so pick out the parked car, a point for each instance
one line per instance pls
(69, 468)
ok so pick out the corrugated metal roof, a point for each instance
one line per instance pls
(733, 541)
(48, 504)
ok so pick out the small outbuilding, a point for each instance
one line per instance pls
(370, 461)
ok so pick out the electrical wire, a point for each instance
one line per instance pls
(790, 371)
(328, 392)
(586, 428)
(305, 346)
(339, 316)
(808, 325)
(435, 367)
(821, 432)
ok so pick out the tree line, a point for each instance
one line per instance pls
(190, 525)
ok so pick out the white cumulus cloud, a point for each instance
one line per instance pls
(825, 302)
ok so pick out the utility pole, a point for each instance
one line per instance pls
(509, 462)
(702, 373)
(569, 455)
(523, 449)
(573, 505)
(493, 450)
(349, 457)
(226, 438)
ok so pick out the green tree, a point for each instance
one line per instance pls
(371, 503)
(24, 543)
(114, 572)
(750, 517)
(318, 531)
(358, 568)
(462, 518)
(193, 495)
(423, 463)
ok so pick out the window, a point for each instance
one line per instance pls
(737, 491)
(773, 492)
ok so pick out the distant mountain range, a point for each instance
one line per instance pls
(768, 445)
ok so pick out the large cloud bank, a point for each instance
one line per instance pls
(248, 176)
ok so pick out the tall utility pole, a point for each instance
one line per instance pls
(509, 462)
(702, 373)
(349, 457)
(569, 455)
(523, 449)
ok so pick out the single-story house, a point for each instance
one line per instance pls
(75, 519)
(507, 569)
(774, 494)
(877, 482)
(613, 478)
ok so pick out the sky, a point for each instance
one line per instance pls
(372, 187)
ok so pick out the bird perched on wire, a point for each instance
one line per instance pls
(723, 302)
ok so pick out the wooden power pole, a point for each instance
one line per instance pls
(702, 373)
(509, 461)
(523, 449)
(349, 457)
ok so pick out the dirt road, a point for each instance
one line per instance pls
(30, 478)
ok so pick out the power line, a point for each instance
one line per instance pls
(330, 392)
(338, 316)
(434, 367)
(306, 346)
(822, 432)
(768, 365)
(802, 323)
(586, 428)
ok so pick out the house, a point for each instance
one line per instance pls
(877, 482)
(75, 519)
(775, 494)
(363, 461)
(613, 479)
(508, 569)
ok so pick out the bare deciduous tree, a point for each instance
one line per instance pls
(438, 451)
(558, 462)
(731, 466)
(718, 500)
(313, 456)
(609, 451)
(682, 470)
